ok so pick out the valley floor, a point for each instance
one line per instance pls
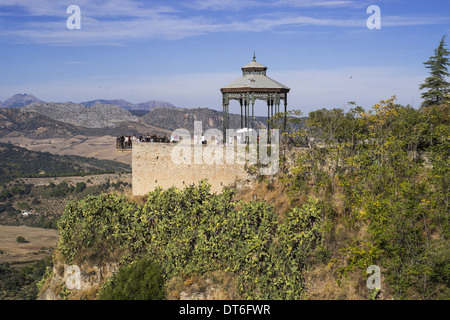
(102, 147)
(39, 243)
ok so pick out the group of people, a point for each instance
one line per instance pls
(126, 142)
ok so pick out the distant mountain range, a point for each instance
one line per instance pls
(145, 106)
(97, 116)
(22, 100)
(40, 119)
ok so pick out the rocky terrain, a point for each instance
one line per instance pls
(149, 105)
(175, 118)
(144, 106)
(33, 125)
(97, 116)
(119, 102)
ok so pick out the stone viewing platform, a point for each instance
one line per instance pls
(179, 165)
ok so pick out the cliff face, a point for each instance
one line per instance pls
(84, 280)
(62, 284)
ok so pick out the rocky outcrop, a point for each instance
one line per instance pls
(149, 105)
(72, 282)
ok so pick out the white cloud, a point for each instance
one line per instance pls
(121, 21)
(218, 5)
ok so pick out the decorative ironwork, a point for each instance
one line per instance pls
(248, 89)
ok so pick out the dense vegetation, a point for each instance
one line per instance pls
(192, 231)
(16, 162)
(21, 283)
(385, 174)
(46, 202)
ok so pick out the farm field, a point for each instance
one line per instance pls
(39, 243)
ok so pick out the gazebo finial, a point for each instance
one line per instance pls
(254, 56)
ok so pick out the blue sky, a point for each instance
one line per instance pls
(183, 52)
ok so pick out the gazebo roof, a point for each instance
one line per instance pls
(254, 65)
(248, 82)
(254, 79)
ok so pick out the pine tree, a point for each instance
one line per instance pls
(438, 88)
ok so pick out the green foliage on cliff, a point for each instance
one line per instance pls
(193, 231)
(389, 171)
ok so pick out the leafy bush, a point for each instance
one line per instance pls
(80, 186)
(141, 280)
(61, 190)
(95, 227)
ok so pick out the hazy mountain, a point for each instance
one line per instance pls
(19, 100)
(144, 106)
(120, 102)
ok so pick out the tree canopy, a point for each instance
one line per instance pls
(438, 88)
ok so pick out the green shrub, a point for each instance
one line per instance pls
(141, 280)
(80, 187)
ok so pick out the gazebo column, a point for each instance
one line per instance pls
(248, 114)
(245, 117)
(242, 116)
(253, 109)
(253, 113)
(225, 115)
(225, 120)
(271, 108)
(285, 112)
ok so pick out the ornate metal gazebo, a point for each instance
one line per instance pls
(253, 85)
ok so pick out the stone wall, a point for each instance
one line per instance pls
(167, 165)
